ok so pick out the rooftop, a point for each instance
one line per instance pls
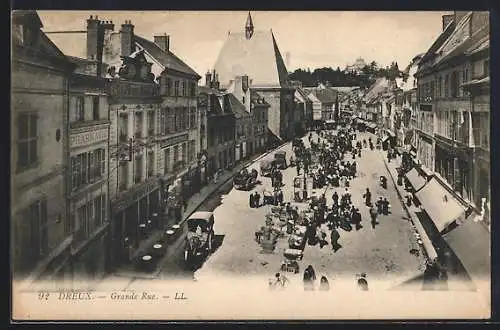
(257, 57)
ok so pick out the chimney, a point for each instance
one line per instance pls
(216, 81)
(108, 25)
(127, 38)
(93, 27)
(447, 19)
(163, 41)
(95, 41)
(208, 79)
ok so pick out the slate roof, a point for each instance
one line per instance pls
(257, 57)
(327, 95)
(167, 59)
(237, 107)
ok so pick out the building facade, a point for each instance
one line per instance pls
(41, 233)
(256, 54)
(88, 173)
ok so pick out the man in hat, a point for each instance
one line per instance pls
(334, 239)
(368, 197)
(380, 205)
(356, 219)
(256, 199)
(251, 200)
(385, 206)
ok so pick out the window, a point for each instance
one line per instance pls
(166, 154)
(176, 88)
(138, 124)
(192, 150)
(151, 164)
(123, 176)
(163, 121)
(183, 89)
(192, 120)
(486, 68)
(184, 153)
(454, 84)
(138, 169)
(446, 85)
(27, 140)
(80, 109)
(123, 127)
(192, 89)
(87, 168)
(176, 154)
(168, 83)
(95, 107)
(89, 217)
(151, 123)
(171, 115)
(481, 129)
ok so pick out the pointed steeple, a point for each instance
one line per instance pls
(249, 27)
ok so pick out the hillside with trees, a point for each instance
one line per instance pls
(340, 77)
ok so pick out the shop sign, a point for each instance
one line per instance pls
(174, 140)
(134, 194)
(88, 138)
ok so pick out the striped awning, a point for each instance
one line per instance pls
(416, 180)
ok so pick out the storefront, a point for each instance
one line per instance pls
(135, 216)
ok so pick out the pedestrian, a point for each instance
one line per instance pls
(309, 278)
(409, 200)
(356, 219)
(373, 215)
(323, 284)
(257, 199)
(347, 195)
(251, 200)
(385, 206)
(280, 197)
(368, 197)
(380, 205)
(334, 239)
(298, 167)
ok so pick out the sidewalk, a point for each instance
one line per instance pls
(128, 271)
(412, 211)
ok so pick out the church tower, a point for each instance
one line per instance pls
(249, 27)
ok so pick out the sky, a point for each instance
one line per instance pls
(313, 39)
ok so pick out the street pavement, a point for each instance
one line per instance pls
(382, 253)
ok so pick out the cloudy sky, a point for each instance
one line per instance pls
(312, 39)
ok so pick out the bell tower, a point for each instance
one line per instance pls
(249, 27)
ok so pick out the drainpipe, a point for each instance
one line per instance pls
(66, 167)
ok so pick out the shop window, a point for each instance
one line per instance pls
(27, 140)
(87, 168)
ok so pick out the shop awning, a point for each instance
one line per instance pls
(470, 242)
(416, 180)
(440, 204)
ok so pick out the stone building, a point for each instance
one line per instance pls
(41, 234)
(154, 143)
(88, 172)
(220, 126)
(453, 83)
(253, 120)
(256, 54)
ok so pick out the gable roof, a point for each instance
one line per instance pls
(237, 107)
(166, 58)
(327, 95)
(257, 57)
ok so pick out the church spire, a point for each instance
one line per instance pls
(249, 27)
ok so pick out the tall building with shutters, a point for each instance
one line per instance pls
(41, 234)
